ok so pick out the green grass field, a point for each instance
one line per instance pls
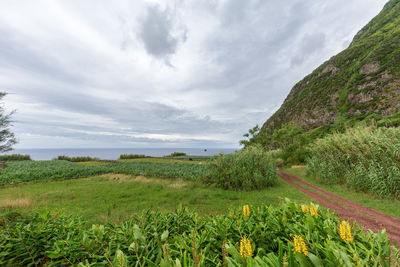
(115, 197)
(388, 206)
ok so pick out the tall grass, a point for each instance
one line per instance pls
(248, 169)
(365, 158)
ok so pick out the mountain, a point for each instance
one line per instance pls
(360, 82)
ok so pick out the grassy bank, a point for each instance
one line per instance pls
(388, 206)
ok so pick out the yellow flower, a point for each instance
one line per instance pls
(313, 210)
(305, 209)
(246, 211)
(345, 231)
(246, 249)
(299, 245)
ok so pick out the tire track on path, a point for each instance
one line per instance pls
(346, 209)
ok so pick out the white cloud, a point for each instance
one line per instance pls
(93, 73)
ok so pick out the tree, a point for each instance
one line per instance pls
(250, 136)
(7, 138)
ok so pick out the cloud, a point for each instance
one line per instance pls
(98, 73)
(161, 33)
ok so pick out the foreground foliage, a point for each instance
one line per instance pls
(366, 159)
(265, 236)
(26, 171)
(248, 169)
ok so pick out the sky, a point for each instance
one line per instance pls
(178, 73)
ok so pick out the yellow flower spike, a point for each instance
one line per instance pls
(299, 245)
(345, 231)
(305, 209)
(313, 210)
(246, 250)
(246, 211)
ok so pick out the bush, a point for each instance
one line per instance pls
(177, 154)
(77, 159)
(132, 156)
(15, 157)
(248, 169)
(365, 158)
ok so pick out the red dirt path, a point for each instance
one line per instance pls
(346, 209)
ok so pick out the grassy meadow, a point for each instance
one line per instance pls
(231, 210)
(115, 197)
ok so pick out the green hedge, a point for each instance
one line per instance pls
(14, 157)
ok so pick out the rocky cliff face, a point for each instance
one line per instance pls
(361, 80)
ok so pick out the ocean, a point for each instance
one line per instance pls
(113, 153)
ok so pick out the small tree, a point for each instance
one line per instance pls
(7, 138)
(250, 136)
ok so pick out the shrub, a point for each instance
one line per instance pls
(14, 157)
(365, 158)
(177, 154)
(248, 169)
(132, 156)
(77, 159)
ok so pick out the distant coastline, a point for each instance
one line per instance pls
(114, 153)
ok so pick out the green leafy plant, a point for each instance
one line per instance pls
(183, 238)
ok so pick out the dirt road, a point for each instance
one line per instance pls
(346, 209)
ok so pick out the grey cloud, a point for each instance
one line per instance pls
(240, 62)
(160, 33)
(310, 44)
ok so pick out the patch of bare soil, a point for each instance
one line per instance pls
(15, 203)
(144, 180)
(346, 209)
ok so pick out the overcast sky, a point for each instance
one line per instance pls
(136, 73)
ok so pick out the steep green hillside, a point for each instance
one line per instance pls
(361, 81)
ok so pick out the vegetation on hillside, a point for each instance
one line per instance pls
(360, 84)
(362, 80)
(366, 159)
(247, 169)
